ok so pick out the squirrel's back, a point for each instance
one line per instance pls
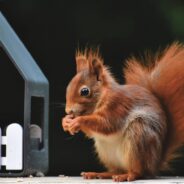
(165, 79)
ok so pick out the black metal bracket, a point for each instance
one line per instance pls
(35, 158)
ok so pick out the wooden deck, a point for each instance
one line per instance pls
(69, 180)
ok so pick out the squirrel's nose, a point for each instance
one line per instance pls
(69, 111)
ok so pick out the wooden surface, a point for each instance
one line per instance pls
(69, 180)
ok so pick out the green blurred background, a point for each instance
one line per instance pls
(53, 29)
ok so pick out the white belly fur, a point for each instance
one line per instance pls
(110, 150)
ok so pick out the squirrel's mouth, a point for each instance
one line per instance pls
(81, 113)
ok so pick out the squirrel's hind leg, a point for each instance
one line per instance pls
(96, 175)
(125, 177)
(142, 150)
(109, 175)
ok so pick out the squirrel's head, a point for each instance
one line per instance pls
(84, 90)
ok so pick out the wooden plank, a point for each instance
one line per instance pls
(80, 180)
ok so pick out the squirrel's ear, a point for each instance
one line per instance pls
(96, 67)
(81, 63)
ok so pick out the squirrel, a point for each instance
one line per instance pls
(136, 127)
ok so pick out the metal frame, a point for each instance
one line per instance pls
(36, 85)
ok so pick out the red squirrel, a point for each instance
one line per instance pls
(137, 127)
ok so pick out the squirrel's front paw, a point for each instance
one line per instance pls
(66, 121)
(71, 125)
(74, 126)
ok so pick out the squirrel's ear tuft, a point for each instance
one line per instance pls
(90, 60)
(81, 61)
(81, 64)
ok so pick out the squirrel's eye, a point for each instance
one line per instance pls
(84, 92)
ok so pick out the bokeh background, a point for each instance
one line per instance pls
(53, 29)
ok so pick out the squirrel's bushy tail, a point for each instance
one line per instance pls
(165, 79)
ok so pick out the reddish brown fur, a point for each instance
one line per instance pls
(166, 81)
(142, 120)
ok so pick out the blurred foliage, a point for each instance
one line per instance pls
(173, 12)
